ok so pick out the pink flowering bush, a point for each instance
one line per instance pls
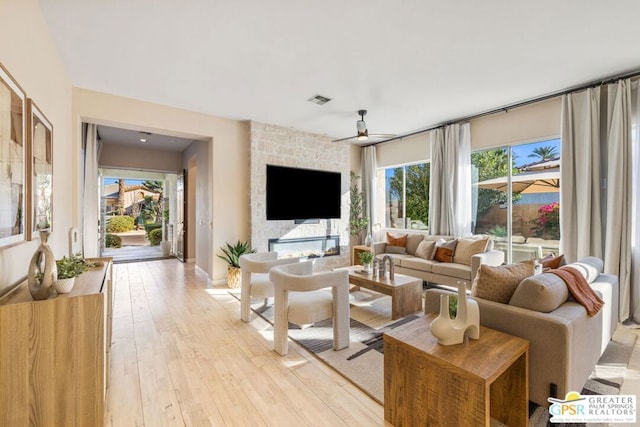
(547, 224)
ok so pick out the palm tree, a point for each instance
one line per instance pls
(121, 201)
(545, 153)
(156, 187)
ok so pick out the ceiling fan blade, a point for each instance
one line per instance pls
(382, 135)
(346, 139)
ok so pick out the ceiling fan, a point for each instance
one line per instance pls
(363, 135)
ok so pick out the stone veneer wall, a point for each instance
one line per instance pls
(280, 146)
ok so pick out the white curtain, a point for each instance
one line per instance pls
(617, 250)
(580, 192)
(450, 182)
(600, 140)
(90, 196)
(369, 187)
(633, 296)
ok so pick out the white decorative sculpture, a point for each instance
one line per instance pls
(452, 331)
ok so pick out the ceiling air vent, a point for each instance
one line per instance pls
(319, 99)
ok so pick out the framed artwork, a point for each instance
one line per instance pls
(40, 185)
(12, 160)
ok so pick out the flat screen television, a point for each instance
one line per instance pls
(301, 194)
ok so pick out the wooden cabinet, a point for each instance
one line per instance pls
(54, 353)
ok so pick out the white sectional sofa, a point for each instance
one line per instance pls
(430, 270)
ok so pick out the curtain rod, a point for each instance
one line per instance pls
(506, 108)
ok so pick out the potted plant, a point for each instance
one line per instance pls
(231, 255)
(366, 258)
(68, 269)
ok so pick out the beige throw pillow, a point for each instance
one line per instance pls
(425, 249)
(466, 248)
(499, 283)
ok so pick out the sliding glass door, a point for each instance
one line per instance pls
(516, 195)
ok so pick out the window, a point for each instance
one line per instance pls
(530, 215)
(406, 196)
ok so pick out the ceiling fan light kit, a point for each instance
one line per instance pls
(363, 132)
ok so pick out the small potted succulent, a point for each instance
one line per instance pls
(231, 255)
(68, 269)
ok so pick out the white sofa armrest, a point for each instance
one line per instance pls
(379, 247)
(493, 258)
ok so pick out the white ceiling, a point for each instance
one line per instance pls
(411, 63)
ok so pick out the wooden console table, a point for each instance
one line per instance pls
(467, 384)
(54, 353)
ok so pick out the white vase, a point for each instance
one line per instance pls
(64, 286)
(452, 331)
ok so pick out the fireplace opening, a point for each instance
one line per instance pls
(310, 247)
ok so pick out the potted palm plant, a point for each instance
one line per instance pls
(231, 255)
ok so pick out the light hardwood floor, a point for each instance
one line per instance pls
(182, 356)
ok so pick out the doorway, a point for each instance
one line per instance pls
(137, 212)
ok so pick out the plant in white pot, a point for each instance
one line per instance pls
(231, 254)
(68, 269)
(366, 258)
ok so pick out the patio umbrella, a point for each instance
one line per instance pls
(538, 181)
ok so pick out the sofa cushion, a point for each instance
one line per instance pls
(460, 271)
(543, 292)
(395, 249)
(553, 262)
(425, 249)
(413, 241)
(397, 240)
(416, 263)
(444, 251)
(499, 283)
(466, 248)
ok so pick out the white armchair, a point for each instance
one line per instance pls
(298, 300)
(255, 278)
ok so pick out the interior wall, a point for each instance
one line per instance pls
(119, 156)
(194, 211)
(225, 214)
(28, 52)
(529, 123)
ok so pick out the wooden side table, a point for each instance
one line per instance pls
(355, 251)
(426, 383)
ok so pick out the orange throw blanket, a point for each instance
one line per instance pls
(580, 289)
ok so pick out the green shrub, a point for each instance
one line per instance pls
(112, 241)
(155, 236)
(119, 224)
(150, 227)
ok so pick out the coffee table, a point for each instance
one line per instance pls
(466, 384)
(405, 291)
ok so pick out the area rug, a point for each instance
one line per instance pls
(363, 362)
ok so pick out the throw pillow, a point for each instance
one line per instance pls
(499, 283)
(543, 292)
(425, 249)
(444, 251)
(467, 248)
(553, 262)
(397, 240)
(395, 249)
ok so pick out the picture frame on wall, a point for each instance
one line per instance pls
(40, 143)
(12, 160)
